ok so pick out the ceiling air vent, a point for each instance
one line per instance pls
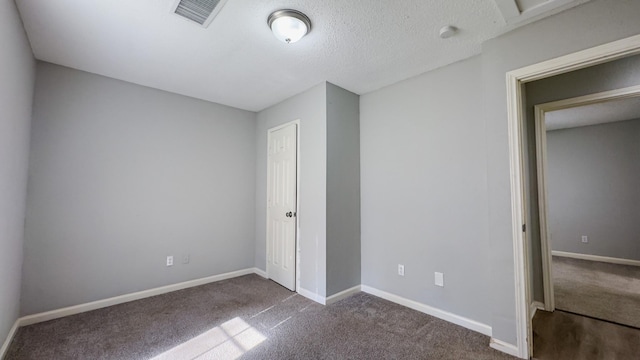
(200, 11)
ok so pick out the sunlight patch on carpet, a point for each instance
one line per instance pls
(227, 341)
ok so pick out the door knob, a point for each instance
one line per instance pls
(289, 214)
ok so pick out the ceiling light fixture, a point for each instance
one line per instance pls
(289, 25)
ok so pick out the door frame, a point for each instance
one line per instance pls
(515, 116)
(541, 150)
(297, 217)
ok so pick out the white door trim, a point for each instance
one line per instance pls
(541, 155)
(515, 79)
(541, 150)
(298, 155)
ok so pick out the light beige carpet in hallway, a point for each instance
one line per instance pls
(604, 291)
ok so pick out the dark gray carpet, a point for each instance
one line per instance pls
(250, 318)
(605, 291)
(561, 335)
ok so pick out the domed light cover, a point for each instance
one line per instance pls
(289, 25)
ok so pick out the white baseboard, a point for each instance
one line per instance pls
(342, 295)
(77, 309)
(504, 347)
(535, 306)
(328, 300)
(260, 272)
(311, 295)
(7, 342)
(605, 259)
(430, 310)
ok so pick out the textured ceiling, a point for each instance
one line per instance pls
(594, 114)
(360, 45)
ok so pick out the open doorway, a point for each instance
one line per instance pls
(588, 162)
(528, 279)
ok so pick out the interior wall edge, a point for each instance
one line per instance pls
(16, 101)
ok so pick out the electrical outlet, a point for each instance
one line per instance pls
(170, 260)
(585, 239)
(400, 270)
(439, 279)
(186, 259)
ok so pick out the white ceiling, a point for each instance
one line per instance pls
(360, 45)
(594, 114)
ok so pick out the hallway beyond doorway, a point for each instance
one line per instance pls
(605, 291)
(561, 335)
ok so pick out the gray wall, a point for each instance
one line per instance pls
(612, 75)
(414, 104)
(591, 24)
(343, 189)
(594, 23)
(310, 108)
(122, 176)
(17, 75)
(592, 180)
(424, 190)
